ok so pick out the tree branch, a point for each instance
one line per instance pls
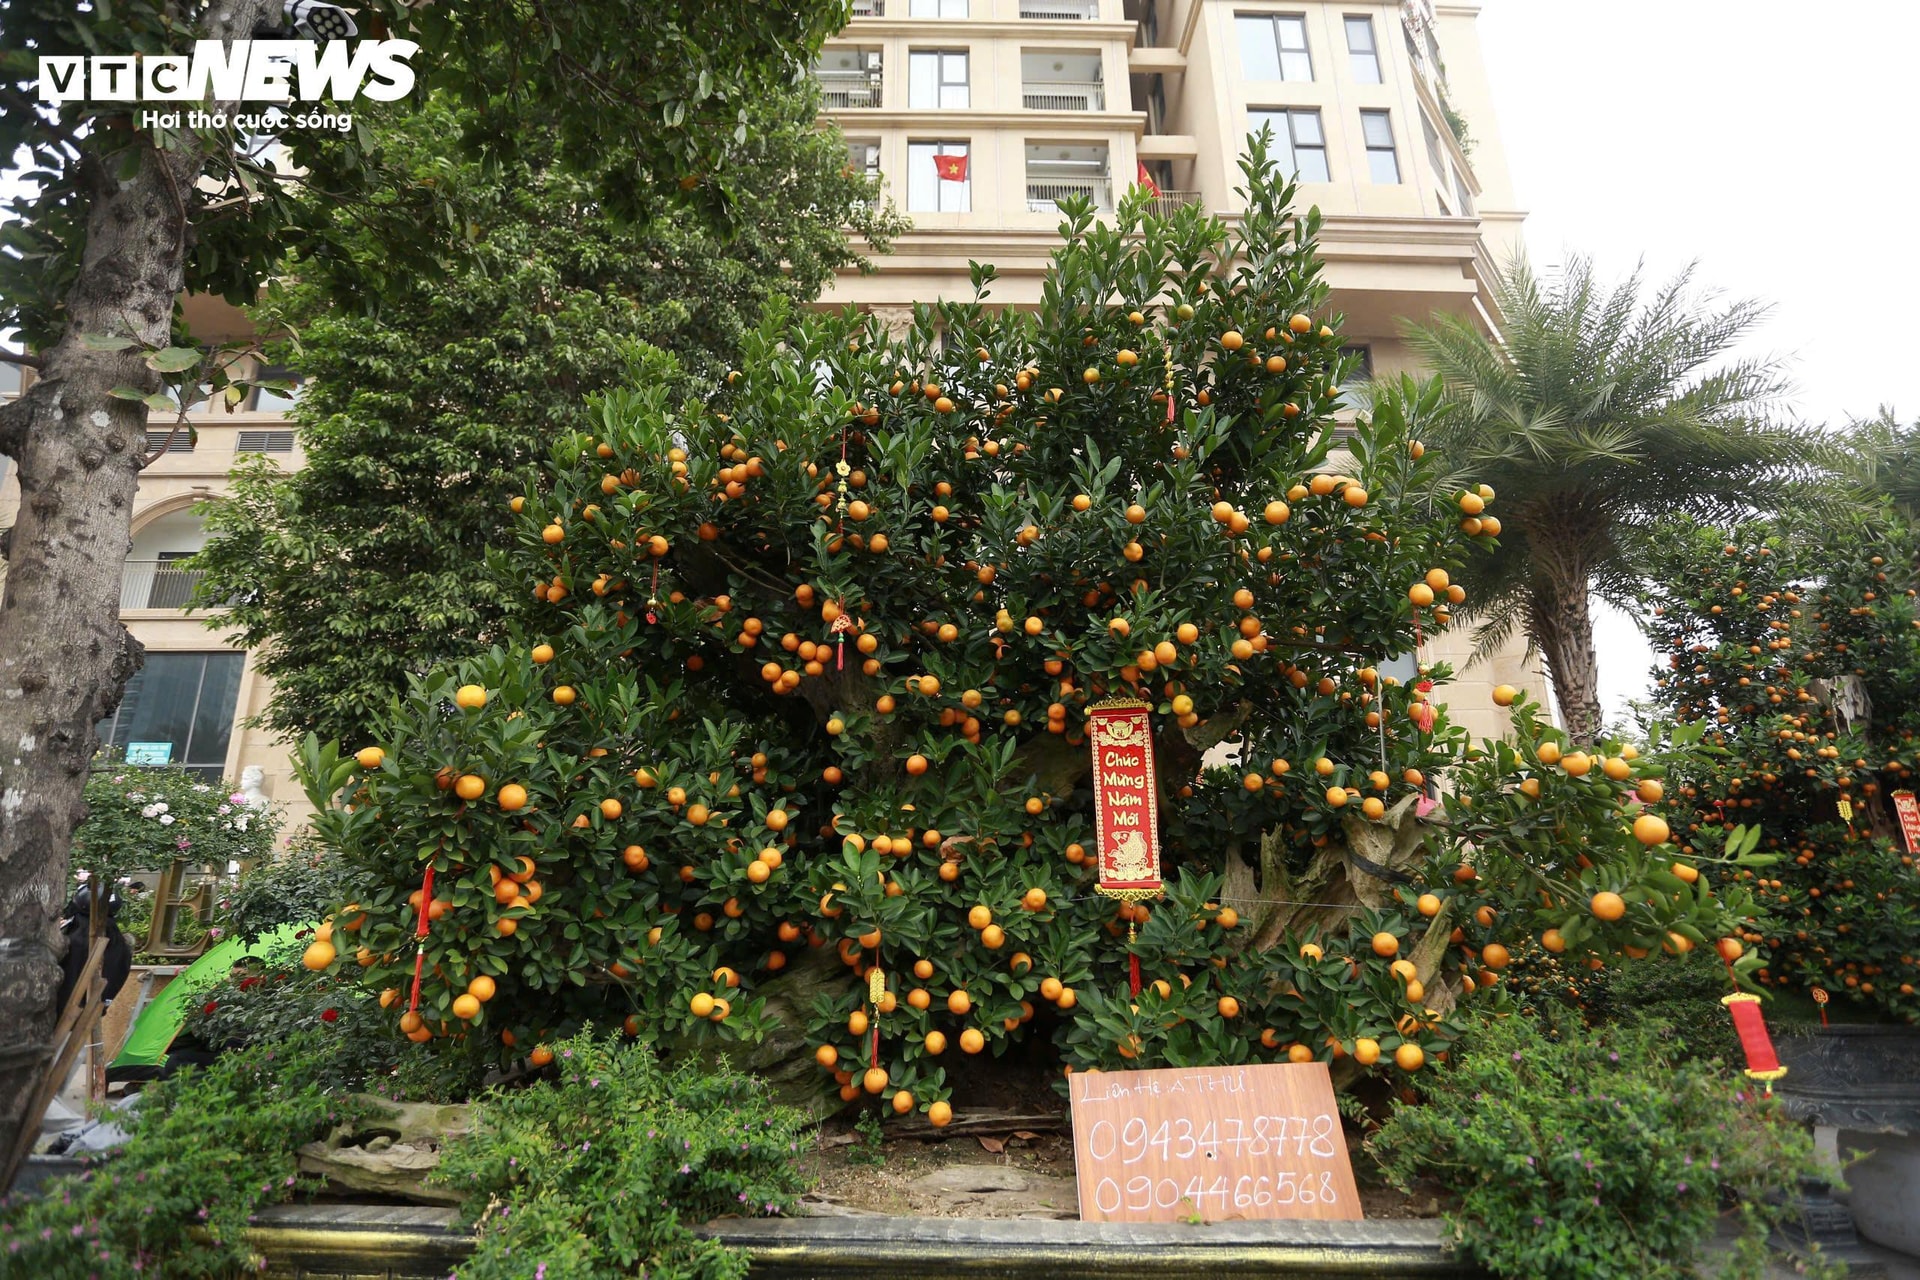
(21, 358)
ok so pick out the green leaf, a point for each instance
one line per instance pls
(104, 342)
(175, 359)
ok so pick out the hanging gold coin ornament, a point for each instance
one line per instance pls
(1846, 811)
(876, 992)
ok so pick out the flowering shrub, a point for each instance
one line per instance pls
(596, 1172)
(264, 1000)
(207, 1148)
(1593, 1156)
(142, 818)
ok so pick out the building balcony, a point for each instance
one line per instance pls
(869, 8)
(1086, 95)
(1060, 10)
(1045, 194)
(157, 584)
(1169, 202)
(842, 90)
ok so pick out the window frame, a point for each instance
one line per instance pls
(1357, 58)
(941, 84)
(918, 8)
(941, 147)
(1390, 151)
(1272, 22)
(1257, 116)
(185, 758)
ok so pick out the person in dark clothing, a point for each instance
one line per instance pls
(78, 928)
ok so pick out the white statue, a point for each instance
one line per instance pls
(250, 793)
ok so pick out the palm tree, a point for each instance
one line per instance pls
(1880, 463)
(1593, 412)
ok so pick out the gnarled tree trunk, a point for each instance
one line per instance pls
(64, 657)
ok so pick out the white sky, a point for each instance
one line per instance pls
(1773, 142)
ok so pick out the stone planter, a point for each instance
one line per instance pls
(1864, 1081)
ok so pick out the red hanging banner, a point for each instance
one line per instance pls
(1762, 1063)
(1908, 808)
(1126, 812)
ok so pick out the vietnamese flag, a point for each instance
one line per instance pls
(950, 168)
(1146, 179)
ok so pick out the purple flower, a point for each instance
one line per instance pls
(1682, 1188)
(79, 1229)
(540, 1272)
(1539, 1221)
(743, 1199)
(1517, 1055)
(1613, 1057)
(686, 1168)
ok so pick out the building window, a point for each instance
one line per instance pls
(275, 399)
(1460, 189)
(170, 438)
(937, 80)
(265, 442)
(1433, 147)
(1299, 146)
(1361, 49)
(939, 177)
(863, 157)
(937, 9)
(1273, 46)
(1377, 127)
(178, 709)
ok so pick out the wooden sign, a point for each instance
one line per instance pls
(1212, 1143)
(1126, 814)
(1909, 810)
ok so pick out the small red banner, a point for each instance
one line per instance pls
(1762, 1062)
(1146, 179)
(950, 168)
(1908, 808)
(1126, 812)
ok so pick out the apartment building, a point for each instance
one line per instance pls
(979, 116)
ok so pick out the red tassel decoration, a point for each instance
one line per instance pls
(420, 932)
(1133, 973)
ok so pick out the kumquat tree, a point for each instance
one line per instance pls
(1801, 659)
(804, 707)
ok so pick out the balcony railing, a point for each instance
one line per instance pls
(1168, 202)
(869, 8)
(842, 90)
(1060, 10)
(1045, 194)
(157, 584)
(1065, 95)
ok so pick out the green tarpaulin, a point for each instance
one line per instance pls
(158, 1023)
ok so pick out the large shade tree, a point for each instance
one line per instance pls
(1601, 408)
(116, 220)
(418, 419)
